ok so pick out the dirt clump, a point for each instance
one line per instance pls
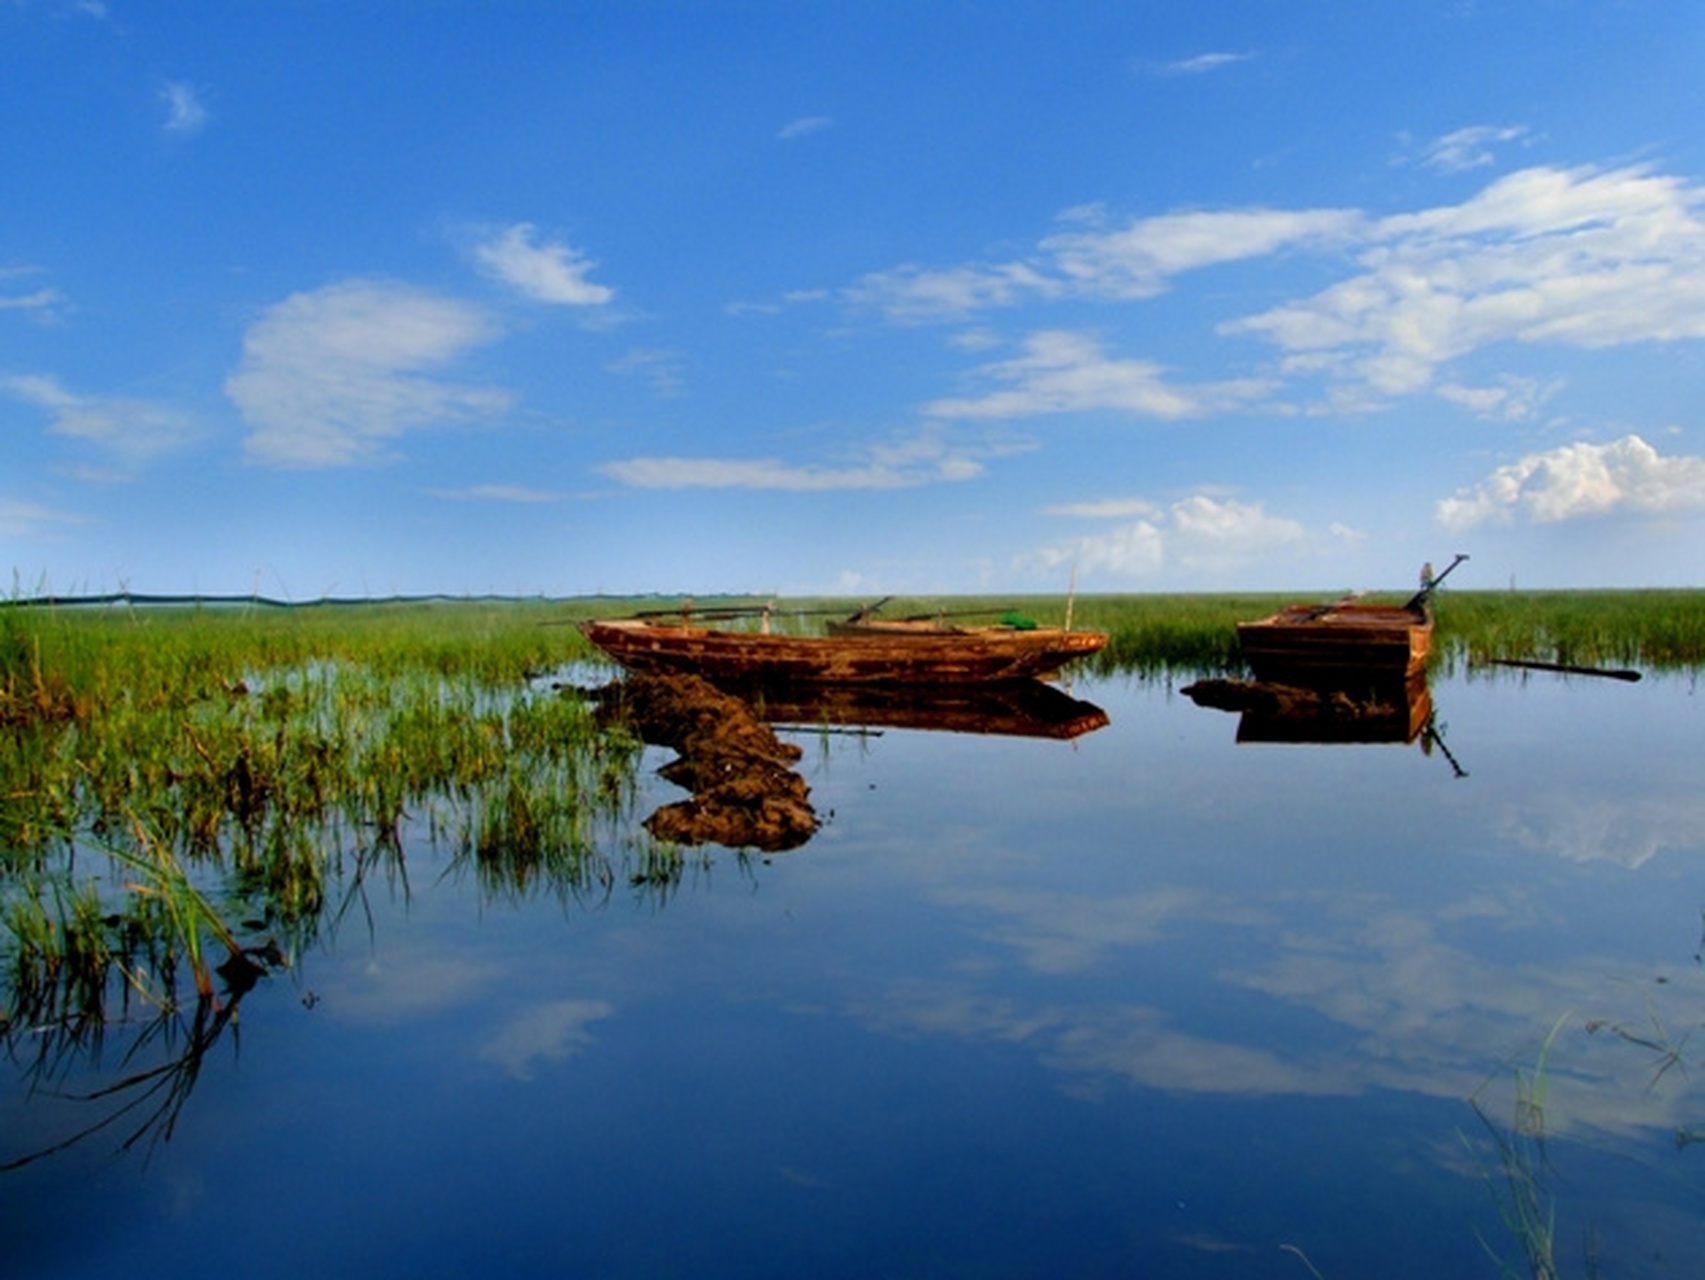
(746, 793)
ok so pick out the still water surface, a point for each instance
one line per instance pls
(1149, 1003)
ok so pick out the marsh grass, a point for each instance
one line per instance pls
(178, 785)
(167, 770)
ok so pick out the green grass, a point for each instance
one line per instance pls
(167, 771)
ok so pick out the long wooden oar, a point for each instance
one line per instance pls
(1609, 673)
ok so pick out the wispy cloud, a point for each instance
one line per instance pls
(1581, 480)
(185, 112)
(506, 493)
(1557, 257)
(803, 126)
(19, 519)
(329, 377)
(665, 370)
(904, 463)
(45, 304)
(1512, 399)
(1575, 257)
(551, 272)
(1469, 148)
(1062, 372)
(549, 1033)
(1200, 64)
(1135, 260)
(128, 430)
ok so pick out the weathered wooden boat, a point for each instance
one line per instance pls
(1344, 640)
(953, 655)
(1338, 639)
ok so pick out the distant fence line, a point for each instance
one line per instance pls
(267, 602)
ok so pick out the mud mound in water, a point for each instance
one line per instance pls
(745, 791)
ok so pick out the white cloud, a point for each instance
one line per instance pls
(549, 1033)
(1140, 259)
(1201, 63)
(19, 519)
(553, 273)
(1137, 260)
(664, 369)
(1062, 372)
(905, 463)
(132, 431)
(1578, 480)
(804, 125)
(1105, 509)
(185, 112)
(512, 493)
(912, 294)
(1581, 257)
(1199, 533)
(1512, 400)
(328, 377)
(41, 304)
(1573, 257)
(1469, 148)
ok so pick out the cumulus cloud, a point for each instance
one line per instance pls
(130, 431)
(1579, 480)
(1201, 533)
(329, 377)
(1062, 372)
(922, 459)
(550, 272)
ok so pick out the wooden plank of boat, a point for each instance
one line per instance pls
(1340, 638)
(974, 655)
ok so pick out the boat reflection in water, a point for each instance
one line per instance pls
(746, 792)
(1018, 708)
(1369, 711)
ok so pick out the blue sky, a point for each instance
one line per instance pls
(367, 298)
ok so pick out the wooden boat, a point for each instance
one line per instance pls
(1310, 643)
(1320, 641)
(934, 655)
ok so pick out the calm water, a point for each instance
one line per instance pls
(1147, 1003)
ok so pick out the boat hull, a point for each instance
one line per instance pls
(1317, 642)
(962, 656)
